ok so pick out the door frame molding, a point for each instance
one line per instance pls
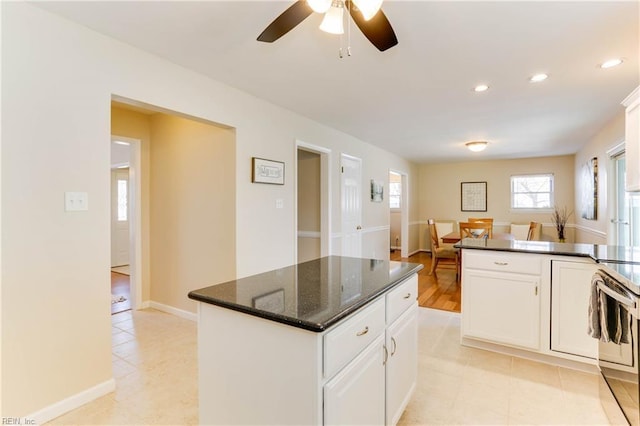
(342, 231)
(325, 196)
(135, 219)
(404, 212)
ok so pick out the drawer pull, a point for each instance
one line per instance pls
(501, 263)
(386, 355)
(363, 332)
(394, 346)
(407, 296)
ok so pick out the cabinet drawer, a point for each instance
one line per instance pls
(502, 262)
(401, 298)
(350, 337)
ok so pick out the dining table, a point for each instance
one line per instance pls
(454, 237)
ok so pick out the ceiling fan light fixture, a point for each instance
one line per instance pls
(369, 8)
(319, 6)
(333, 22)
(477, 146)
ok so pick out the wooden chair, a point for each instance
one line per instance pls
(488, 220)
(440, 250)
(475, 230)
(520, 231)
(535, 231)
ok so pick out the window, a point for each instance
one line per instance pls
(395, 190)
(122, 200)
(532, 191)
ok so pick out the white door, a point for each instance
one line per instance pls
(488, 317)
(351, 205)
(356, 395)
(402, 364)
(119, 217)
(570, 294)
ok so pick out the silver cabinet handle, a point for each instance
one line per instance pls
(394, 346)
(386, 355)
(407, 296)
(363, 332)
(501, 263)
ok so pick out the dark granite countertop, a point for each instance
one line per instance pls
(597, 252)
(312, 295)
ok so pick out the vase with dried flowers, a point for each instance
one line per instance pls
(560, 218)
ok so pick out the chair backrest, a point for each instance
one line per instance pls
(535, 229)
(475, 230)
(434, 234)
(444, 228)
(520, 232)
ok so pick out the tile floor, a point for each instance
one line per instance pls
(155, 367)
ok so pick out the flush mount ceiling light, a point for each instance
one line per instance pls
(476, 146)
(538, 78)
(611, 63)
(481, 88)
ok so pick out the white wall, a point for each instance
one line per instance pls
(58, 79)
(595, 231)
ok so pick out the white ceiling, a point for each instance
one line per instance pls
(415, 99)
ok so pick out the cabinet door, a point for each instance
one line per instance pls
(570, 294)
(501, 307)
(402, 363)
(356, 394)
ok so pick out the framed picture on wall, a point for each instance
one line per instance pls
(267, 171)
(376, 191)
(589, 189)
(473, 196)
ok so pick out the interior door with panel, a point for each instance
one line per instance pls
(351, 203)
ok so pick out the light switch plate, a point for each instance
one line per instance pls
(279, 203)
(76, 201)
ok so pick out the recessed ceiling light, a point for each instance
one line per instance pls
(611, 63)
(538, 77)
(481, 88)
(476, 146)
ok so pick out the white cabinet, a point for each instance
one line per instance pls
(632, 140)
(570, 295)
(501, 303)
(361, 370)
(356, 395)
(402, 363)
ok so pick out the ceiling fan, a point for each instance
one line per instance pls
(366, 14)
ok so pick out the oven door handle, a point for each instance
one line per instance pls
(619, 297)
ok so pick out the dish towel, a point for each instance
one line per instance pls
(608, 319)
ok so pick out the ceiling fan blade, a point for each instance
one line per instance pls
(284, 23)
(378, 29)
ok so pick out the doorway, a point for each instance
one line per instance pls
(125, 223)
(313, 202)
(625, 220)
(399, 212)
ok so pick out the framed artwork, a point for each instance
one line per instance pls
(270, 302)
(589, 189)
(267, 171)
(377, 189)
(473, 196)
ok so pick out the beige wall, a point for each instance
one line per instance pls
(193, 208)
(55, 137)
(612, 134)
(440, 191)
(308, 205)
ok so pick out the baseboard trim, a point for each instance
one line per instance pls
(62, 407)
(191, 316)
(144, 305)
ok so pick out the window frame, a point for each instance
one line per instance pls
(532, 209)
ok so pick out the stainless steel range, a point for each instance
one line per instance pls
(619, 295)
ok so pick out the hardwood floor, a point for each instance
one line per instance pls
(120, 285)
(438, 291)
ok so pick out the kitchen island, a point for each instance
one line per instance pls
(531, 298)
(330, 341)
